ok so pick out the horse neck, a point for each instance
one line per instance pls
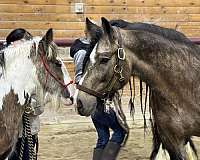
(20, 73)
(164, 65)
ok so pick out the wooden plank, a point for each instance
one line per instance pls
(180, 25)
(21, 8)
(18, 8)
(191, 32)
(187, 27)
(194, 17)
(142, 17)
(29, 2)
(141, 3)
(66, 2)
(42, 17)
(80, 18)
(164, 3)
(42, 25)
(105, 2)
(141, 10)
(105, 9)
(57, 33)
(163, 10)
(178, 3)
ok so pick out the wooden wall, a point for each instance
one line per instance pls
(38, 15)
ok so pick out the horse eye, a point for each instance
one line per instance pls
(58, 63)
(104, 60)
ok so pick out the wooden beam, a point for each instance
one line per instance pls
(42, 17)
(24, 8)
(57, 33)
(30, 2)
(42, 25)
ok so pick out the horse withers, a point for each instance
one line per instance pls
(27, 67)
(165, 65)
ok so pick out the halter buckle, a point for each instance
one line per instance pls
(121, 78)
(117, 70)
(121, 54)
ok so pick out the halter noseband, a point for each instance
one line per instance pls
(118, 69)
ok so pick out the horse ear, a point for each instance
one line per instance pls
(108, 30)
(46, 41)
(48, 37)
(93, 32)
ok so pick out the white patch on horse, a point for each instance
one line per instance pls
(93, 54)
(20, 72)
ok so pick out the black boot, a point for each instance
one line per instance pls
(97, 153)
(110, 151)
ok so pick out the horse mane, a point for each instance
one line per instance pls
(167, 33)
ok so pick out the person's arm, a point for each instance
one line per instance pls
(78, 62)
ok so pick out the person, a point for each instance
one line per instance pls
(106, 148)
(36, 108)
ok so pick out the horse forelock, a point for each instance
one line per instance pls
(93, 55)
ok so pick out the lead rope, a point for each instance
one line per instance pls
(143, 109)
(27, 133)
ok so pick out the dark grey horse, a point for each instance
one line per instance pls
(155, 99)
(28, 67)
(166, 65)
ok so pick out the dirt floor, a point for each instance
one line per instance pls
(67, 136)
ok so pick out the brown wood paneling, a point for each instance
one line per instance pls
(106, 2)
(30, 2)
(143, 17)
(42, 25)
(194, 17)
(18, 8)
(141, 3)
(24, 8)
(51, 17)
(178, 3)
(163, 10)
(39, 15)
(105, 9)
(57, 33)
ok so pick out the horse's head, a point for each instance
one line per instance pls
(50, 69)
(107, 70)
(32, 64)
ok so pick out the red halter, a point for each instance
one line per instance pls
(51, 73)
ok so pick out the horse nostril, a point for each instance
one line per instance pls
(72, 99)
(79, 104)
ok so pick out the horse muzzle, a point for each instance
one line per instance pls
(82, 110)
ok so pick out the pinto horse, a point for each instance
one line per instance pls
(28, 67)
(166, 65)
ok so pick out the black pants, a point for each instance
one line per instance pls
(15, 154)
